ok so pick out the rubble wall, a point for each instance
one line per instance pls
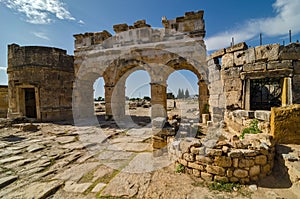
(50, 72)
(243, 161)
(285, 124)
(3, 101)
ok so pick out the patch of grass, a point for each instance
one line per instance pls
(88, 177)
(107, 178)
(252, 129)
(180, 168)
(223, 187)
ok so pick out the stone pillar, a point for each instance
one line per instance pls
(118, 99)
(203, 97)
(286, 97)
(108, 96)
(83, 100)
(158, 99)
(247, 94)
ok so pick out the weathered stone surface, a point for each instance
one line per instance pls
(285, 124)
(267, 52)
(237, 47)
(196, 173)
(71, 186)
(98, 187)
(227, 60)
(11, 159)
(128, 185)
(261, 160)
(5, 181)
(195, 166)
(215, 170)
(254, 171)
(206, 176)
(246, 163)
(223, 161)
(34, 148)
(263, 115)
(221, 179)
(43, 190)
(240, 173)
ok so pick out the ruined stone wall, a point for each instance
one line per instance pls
(243, 161)
(3, 101)
(50, 72)
(139, 47)
(285, 124)
(236, 66)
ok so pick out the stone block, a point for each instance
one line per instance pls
(236, 153)
(267, 169)
(261, 160)
(262, 115)
(237, 47)
(260, 66)
(218, 53)
(204, 159)
(227, 60)
(296, 65)
(267, 52)
(234, 84)
(215, 170)
(290, 52)
(229, 173)
(246, 163)
(254, 171)
(229, 73)
(183, 162)
(244, 57)
(285, 64)
(223, 161)
(207, 176)
(189, 157)
(196, 173)
(240, 173)
(195, 166)
(233, 179)
(221, 179)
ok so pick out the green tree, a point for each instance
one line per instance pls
(187, 93)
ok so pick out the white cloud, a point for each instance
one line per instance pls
(3, 68)
(287, 18)
(39, 11)
(81, 22)
(41, 35)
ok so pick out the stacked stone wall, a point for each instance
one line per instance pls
(239, 161)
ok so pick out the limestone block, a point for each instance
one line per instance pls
(267, 169)
(206, 176)
(189, 157)
(195, 166)
(183, 162)
(227, 60)
(237, 47)
(233, 179)
(291, 52)
(230, 73)
(285, 64)
(260, 66)
(221, 179)
(244, 57)
(218, 53)
(215, 170)
(229, 173)
(204, 159)
(246, 163)
(223, 161)
(233, 84)
(261, 160)
(296, 65)
(240, 173)
(196, 173)
(254, 171)
(267, 52)
(262, 115)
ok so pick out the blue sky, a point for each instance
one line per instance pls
(53, 22)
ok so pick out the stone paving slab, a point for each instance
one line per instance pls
(7, 180)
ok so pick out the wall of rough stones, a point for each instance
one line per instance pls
(50, 72)
(239, 161)
(3, 101)
(235, 65)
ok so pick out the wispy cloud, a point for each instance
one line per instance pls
(41, 35)
(287, 17)
(81, 22)
(39, 11)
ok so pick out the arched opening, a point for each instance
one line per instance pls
(138, 100)
(183, 103)
(99, 98)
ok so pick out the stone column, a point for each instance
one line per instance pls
(247, 94)
(83, 100)
(158, 99)
(108, 96)
(203, 97)
(118, 99)
(287, 97)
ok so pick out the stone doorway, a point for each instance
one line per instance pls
(30, 103)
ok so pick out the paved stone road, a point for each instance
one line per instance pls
(64, 161)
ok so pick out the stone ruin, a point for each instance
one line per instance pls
(238, 83)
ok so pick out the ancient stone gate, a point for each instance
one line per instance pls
(179, 45)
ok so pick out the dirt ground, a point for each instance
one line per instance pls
(46, 160)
